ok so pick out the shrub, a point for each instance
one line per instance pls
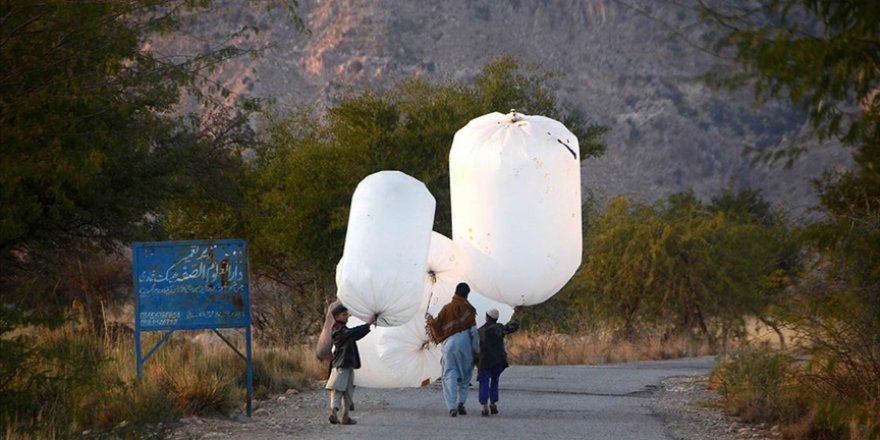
(277, 370)
(756, 385)
(48, 381)
(140, 410)
(58, 382)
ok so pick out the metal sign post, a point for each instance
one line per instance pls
(192, 285)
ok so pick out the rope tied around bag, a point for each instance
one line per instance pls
(429, 337)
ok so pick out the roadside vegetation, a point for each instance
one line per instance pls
(99, 152)
(823, 57)
(72, 382)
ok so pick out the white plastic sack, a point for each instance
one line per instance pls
(382, 270)
(515, 188)
(397, 357)
(404, 356)
(372, 373)
(445, 274)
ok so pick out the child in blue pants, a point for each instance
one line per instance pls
(493, 360)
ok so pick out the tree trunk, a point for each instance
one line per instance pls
(776, 329)
(705, 329)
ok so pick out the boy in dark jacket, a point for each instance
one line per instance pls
(493, 360)
(346, 359)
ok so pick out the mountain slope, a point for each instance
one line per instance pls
(619, 66)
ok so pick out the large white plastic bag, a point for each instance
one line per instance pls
(445, 274)
(410, 355)
(373, 373)
(515, 188)
(404, 356)
(406, 353)
(397, 357)
(382, 270)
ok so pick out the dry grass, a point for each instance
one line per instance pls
(757, 385)
(204, 375)
(89, 383)
(550, 348)
(601, 346)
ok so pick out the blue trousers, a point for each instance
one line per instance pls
(458, 366)
(489, 385)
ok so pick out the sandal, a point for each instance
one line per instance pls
(333, 419)
(349, 421)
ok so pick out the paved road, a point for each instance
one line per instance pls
(604, 402)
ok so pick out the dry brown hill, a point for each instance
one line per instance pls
(620, 66)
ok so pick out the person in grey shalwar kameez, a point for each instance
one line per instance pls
(456, 329)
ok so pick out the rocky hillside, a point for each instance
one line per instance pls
(620, 65)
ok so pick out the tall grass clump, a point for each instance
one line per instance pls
(48, 378)
(757, 385)
(68, 382)
(277, 370)
(59, 382)
(842, 379)
(814, 398)
(210, 378)
(546, 346)
(198, 384)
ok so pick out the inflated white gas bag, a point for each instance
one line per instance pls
(515, 188)
(382, 269)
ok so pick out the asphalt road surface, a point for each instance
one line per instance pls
(602, 402)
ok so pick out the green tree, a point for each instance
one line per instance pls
(751, 213)
(677, 266)
(97, 138)
(94, 132)
(616, 281)
(745, 205)
(823, 56)
(729, 261)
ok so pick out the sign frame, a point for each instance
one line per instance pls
(192, 285)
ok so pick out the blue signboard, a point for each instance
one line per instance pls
(192, 285)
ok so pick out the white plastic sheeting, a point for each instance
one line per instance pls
(443, 273)
(515, 188)
(382, 270)
(373, 373)
(397, 357)
(446, 274)
(404, 356)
